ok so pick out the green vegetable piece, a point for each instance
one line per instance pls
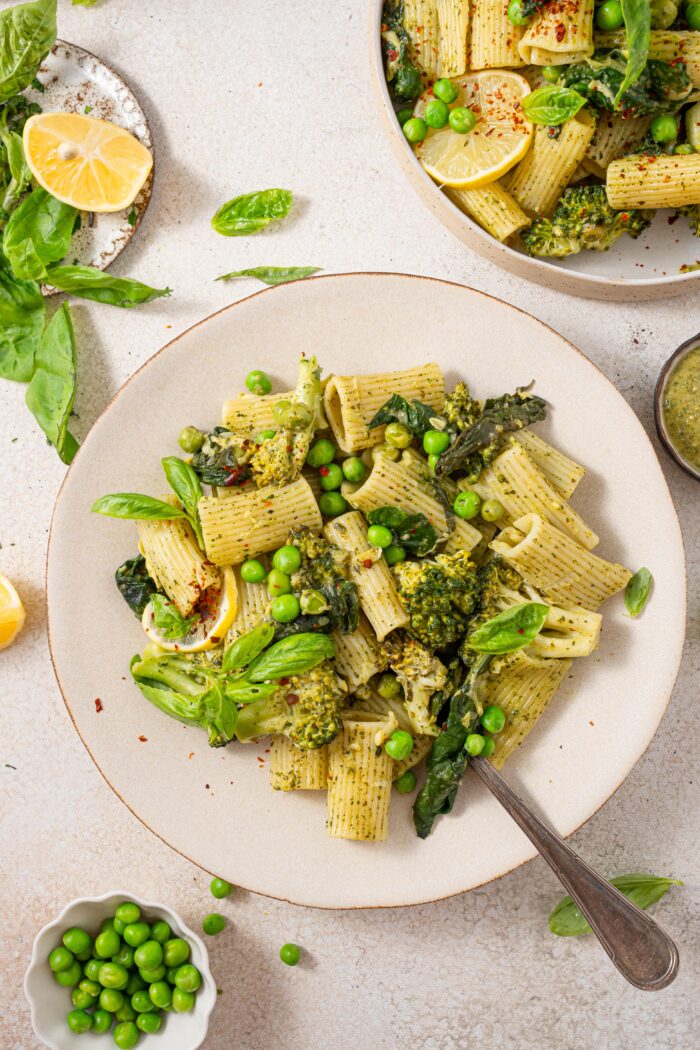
(643, 890)
(291, 656)
(251, 212)
(406, 783)
(492, 510)
(551, 73)
(609, 16)
(183, 1001)
(136, 984)
(111, 1000)
(637, 591)
(128, 913)
(404, 114)
(332, 504)
(148, 955)
(272, 275)
(186, 485)
(125, 956)
(513, 629)
(411, 532)
(552, 105)
(467, 504)
(253, 571)
(278, 582)
(91, 987)
(38, 232)
(637, 18)
(70, 976)
(188, 978)
(161, 994)
(516, 15)
(157, 973)
(354, 470)
(191, 439)
(321, 453)
(101, 1021)
(290, 954)
(415, 130)
(394, 554)
(664, 129)
(92, 968)
(83, 1000)
(220, 888)
(175, 952)
(258, 382)
(493, 719)
(149, 1023)
(136, 588)
(79, 1021)
(445, 90)
(488, 748)
(134, 506)
(213, 924)
(287, 559)
(113, 975)
(61, 959)
(474, 744)
(265, 435)
(86, 282)
(379, 536)
(141, 1002)
(107, 944)
(399, 745)
(21, 324)
(692, 16)
(125, 1012)
(126, 1035)
(436, 114)
(313, 602)
(436, 441)
(51, 392)
(247, 647)
(397, 435)
(389, 687)
(137, 933)
(27, 32)
(331, 477)
(462, 120)
(285, 608)
(169, 620)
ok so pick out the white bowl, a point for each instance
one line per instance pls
(50, 1003)
(632, 270)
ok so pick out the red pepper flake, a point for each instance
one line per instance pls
(324, 471)
(368, 563)
(284, 681)
(191, 754)
(560, 32)
(292, 699)
(98, 705)
(143, 739)
(392, 54)
(521, 630)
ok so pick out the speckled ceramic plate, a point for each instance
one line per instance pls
(76, 81)
(215, 806)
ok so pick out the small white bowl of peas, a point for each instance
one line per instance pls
(121, 971)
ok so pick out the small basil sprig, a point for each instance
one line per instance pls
(185, 484)
(251, 212)
(244, 650)
(415, 415)
(51, 392)
(272, 275)
(20, 175)
(38, 232)
(637, 16)
(245, 692)
(643, 890)
(133, 506)
(22, 313)
(552, 105)
(511, 630)
(290, 656)
(413, 532)
(27, 32)
(637, 591)
(86, 282)
(168, 619)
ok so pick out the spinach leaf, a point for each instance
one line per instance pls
(510, 630)
(185, 484)
(411, 531)
(416, 415)
(88, 283)
(51, 392)
(272, 275)
(637, 16)
(478, 444)
(637, 591)
(27, 34)
(244, 650)
(135, 585)
(552, 105)
(135, 507)
(292, 655)
(38, 232)
(22, 313)
(251, 212)
(643, 890)
(218, 460)
(168, 619)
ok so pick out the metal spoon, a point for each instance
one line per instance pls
(639, 948)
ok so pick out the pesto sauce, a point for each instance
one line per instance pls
(681, 407)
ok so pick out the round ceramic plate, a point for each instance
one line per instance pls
(632, 270)
(216, 806)
(76, 81)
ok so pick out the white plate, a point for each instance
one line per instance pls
(215, 806)
(632, 270)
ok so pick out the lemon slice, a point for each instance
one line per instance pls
(500, 138)
(11, 613)
(91, 164)
(218, 612)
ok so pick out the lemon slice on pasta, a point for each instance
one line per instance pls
(500, 138)
(217, 613)
(11, 613)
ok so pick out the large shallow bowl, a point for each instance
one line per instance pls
(634, 271)
(218, 809)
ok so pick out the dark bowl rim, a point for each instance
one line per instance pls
(679, 353)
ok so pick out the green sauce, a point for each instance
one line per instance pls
(681, 407)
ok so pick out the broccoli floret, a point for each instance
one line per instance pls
(421, 675)
(439, 596)
(460, 408)
(324, 568)
(692, 214)
(223, 458)
(582, 219)
(278, 461)
(478, 444)
(306, 709)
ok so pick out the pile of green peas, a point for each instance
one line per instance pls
(493, 719)
(437, 114)
(468, 504)
(127, 975)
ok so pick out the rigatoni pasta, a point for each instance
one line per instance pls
(562, 33)
(493, 207)
(174, 560)
(359, 783)
(537, 182)
(494, 38)
(292, 769)
(641, 181)
(453, 22)
(420, 18)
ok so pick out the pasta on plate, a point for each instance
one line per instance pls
(372, 571)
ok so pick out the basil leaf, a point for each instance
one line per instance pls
(221, 716)
(134, 584)
(245, 692)
(272, 275)
(412, 531)
(135, 507)
(552, 105)
(185, 484)
(643, 890)
(84, 3)
(51, 392)
(510, 630)
(27, 34)
(251, 212)
(22, 313)
(20, 175)
(637, 591)
(637, 16)
(168, 619)
(241, 652)
(88, 283)
(293, 655)
(415, 415)
(38, 232)
(390, 517)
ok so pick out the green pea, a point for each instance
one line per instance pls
(160, 931)
(136, 933)
(436, 114)
(156, 974)
(404, 114)
(516, 15)
(664, 129)
(385, 450)
(313, 602)
(287, 559)
(111, 1000)
(692, 16)
(684, 149)
(397, 435)
(113, 975)
(107, 944)
(292, 415)
(67, 978)
(107, 924)
(474, 744)
(253, 571)
(126, 1035)
(492, 510)
(92, 968)
(467, 505)
(83, 1000)
(125, 956)
(406, 783)
(433, 462)
(445, 90)
(175, 952)
(332, 504)
(101, 1021)
(91, 987)
(213, 924)
(148, 955)
(141, 1002)
(354, 470)
(609, 15)
(488, 748)
(220, 888)
(436, 442)
(379, 536)
(149, 1023)
(183, 1002)
(462, 120)
(399, 745)
(389, 686)
(77, 940)
(118, 926)
(394, 554)
(321, 453)
(551, 73)
(290, 954)
(265, 435)
(415, 130)
(136, 983)
(160, 994)
(128, 913)
(188, 978)
(331, 477)
(493, 719)
(170, 975)
(258, 382)
(79, 1021)
(285, 608)
(278, 583)
(61, 959)
(126, 1013)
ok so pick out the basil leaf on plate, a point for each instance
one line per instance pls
(86, 282)
(251, 212)
(168, 619)
(244, 650)
(135, 507)
(245, 692)
(510, 630)
(272, 275)
(22, 312)
(51, 392)
(185, 484)
(637, 16)
(637, 591)
(38, 232)
(293, 655)
(20, 175)
(643, 890)
(27, 34)
(552, 105)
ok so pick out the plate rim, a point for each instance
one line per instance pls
(531, 853)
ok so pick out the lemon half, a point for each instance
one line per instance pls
(12, 613)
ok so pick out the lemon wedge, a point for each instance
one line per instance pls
(218, 613)
(500, 138)
(89, 163)
(12, 613)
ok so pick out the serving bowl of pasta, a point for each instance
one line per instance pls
(546, 141)
(347, 582)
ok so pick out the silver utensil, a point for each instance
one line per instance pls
(639, 948)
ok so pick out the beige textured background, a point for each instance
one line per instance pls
(242, 96)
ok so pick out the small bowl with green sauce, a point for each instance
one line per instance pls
(677, 406)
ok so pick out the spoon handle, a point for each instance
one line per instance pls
(639, 948)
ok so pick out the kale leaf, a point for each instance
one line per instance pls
(477, 445)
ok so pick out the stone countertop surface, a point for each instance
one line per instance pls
(242, 96)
